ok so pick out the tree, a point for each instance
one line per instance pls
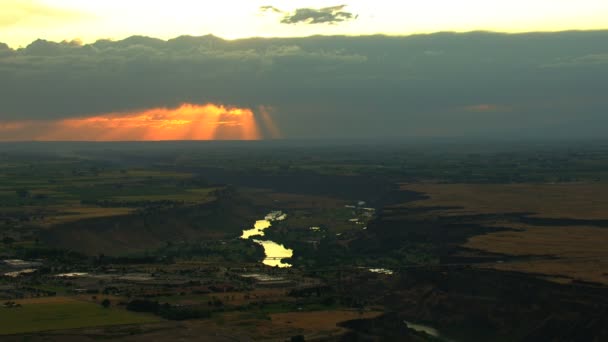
(142, 305)
(8, 240)
(105, 303)
(23, 193)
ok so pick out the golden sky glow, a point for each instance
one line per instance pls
(187, 122)
(22, 21)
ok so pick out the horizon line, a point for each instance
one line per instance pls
(384, 35)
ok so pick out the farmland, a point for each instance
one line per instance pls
(562, 226)
(63, 313)
(380, 235)
(579, 200)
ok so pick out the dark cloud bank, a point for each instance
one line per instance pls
(474, 84)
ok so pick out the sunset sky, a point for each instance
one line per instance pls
(173, 70)
(22, 21)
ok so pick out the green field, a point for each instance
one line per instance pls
(64, 314)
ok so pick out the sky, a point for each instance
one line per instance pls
(122, 70)
(23, 21)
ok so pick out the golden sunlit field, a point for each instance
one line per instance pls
(560, 250)
(575, 252)
(585, 201)
(76, 212)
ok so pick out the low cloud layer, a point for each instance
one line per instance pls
(186, 122)
(326, 15)
(474, 84)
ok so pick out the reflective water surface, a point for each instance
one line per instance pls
(274, 252)
(423, 328)
(258, 229)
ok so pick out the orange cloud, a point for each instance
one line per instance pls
(186, 122)
(11, 126)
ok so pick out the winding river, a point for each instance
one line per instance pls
(275, 253)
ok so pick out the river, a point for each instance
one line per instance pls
(275, 252)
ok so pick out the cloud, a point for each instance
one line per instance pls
(326, 15)
(324, 87)
(588, 60)
(186, 122)
(271, 9)
(5, 50)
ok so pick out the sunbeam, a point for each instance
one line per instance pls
(186, 122)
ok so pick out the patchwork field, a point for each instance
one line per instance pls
(45, 199)
(231, 298)
(50, 194)
(159, 233)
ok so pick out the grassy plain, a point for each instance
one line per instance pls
(576, 252)
(50, 194)
(560, 249)
(61, 313)
(325, 322)
(46, 194)
(76, 212)
(586, 201)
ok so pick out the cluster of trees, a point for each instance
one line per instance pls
(232, 250)
(176, 313)
(11, 304)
